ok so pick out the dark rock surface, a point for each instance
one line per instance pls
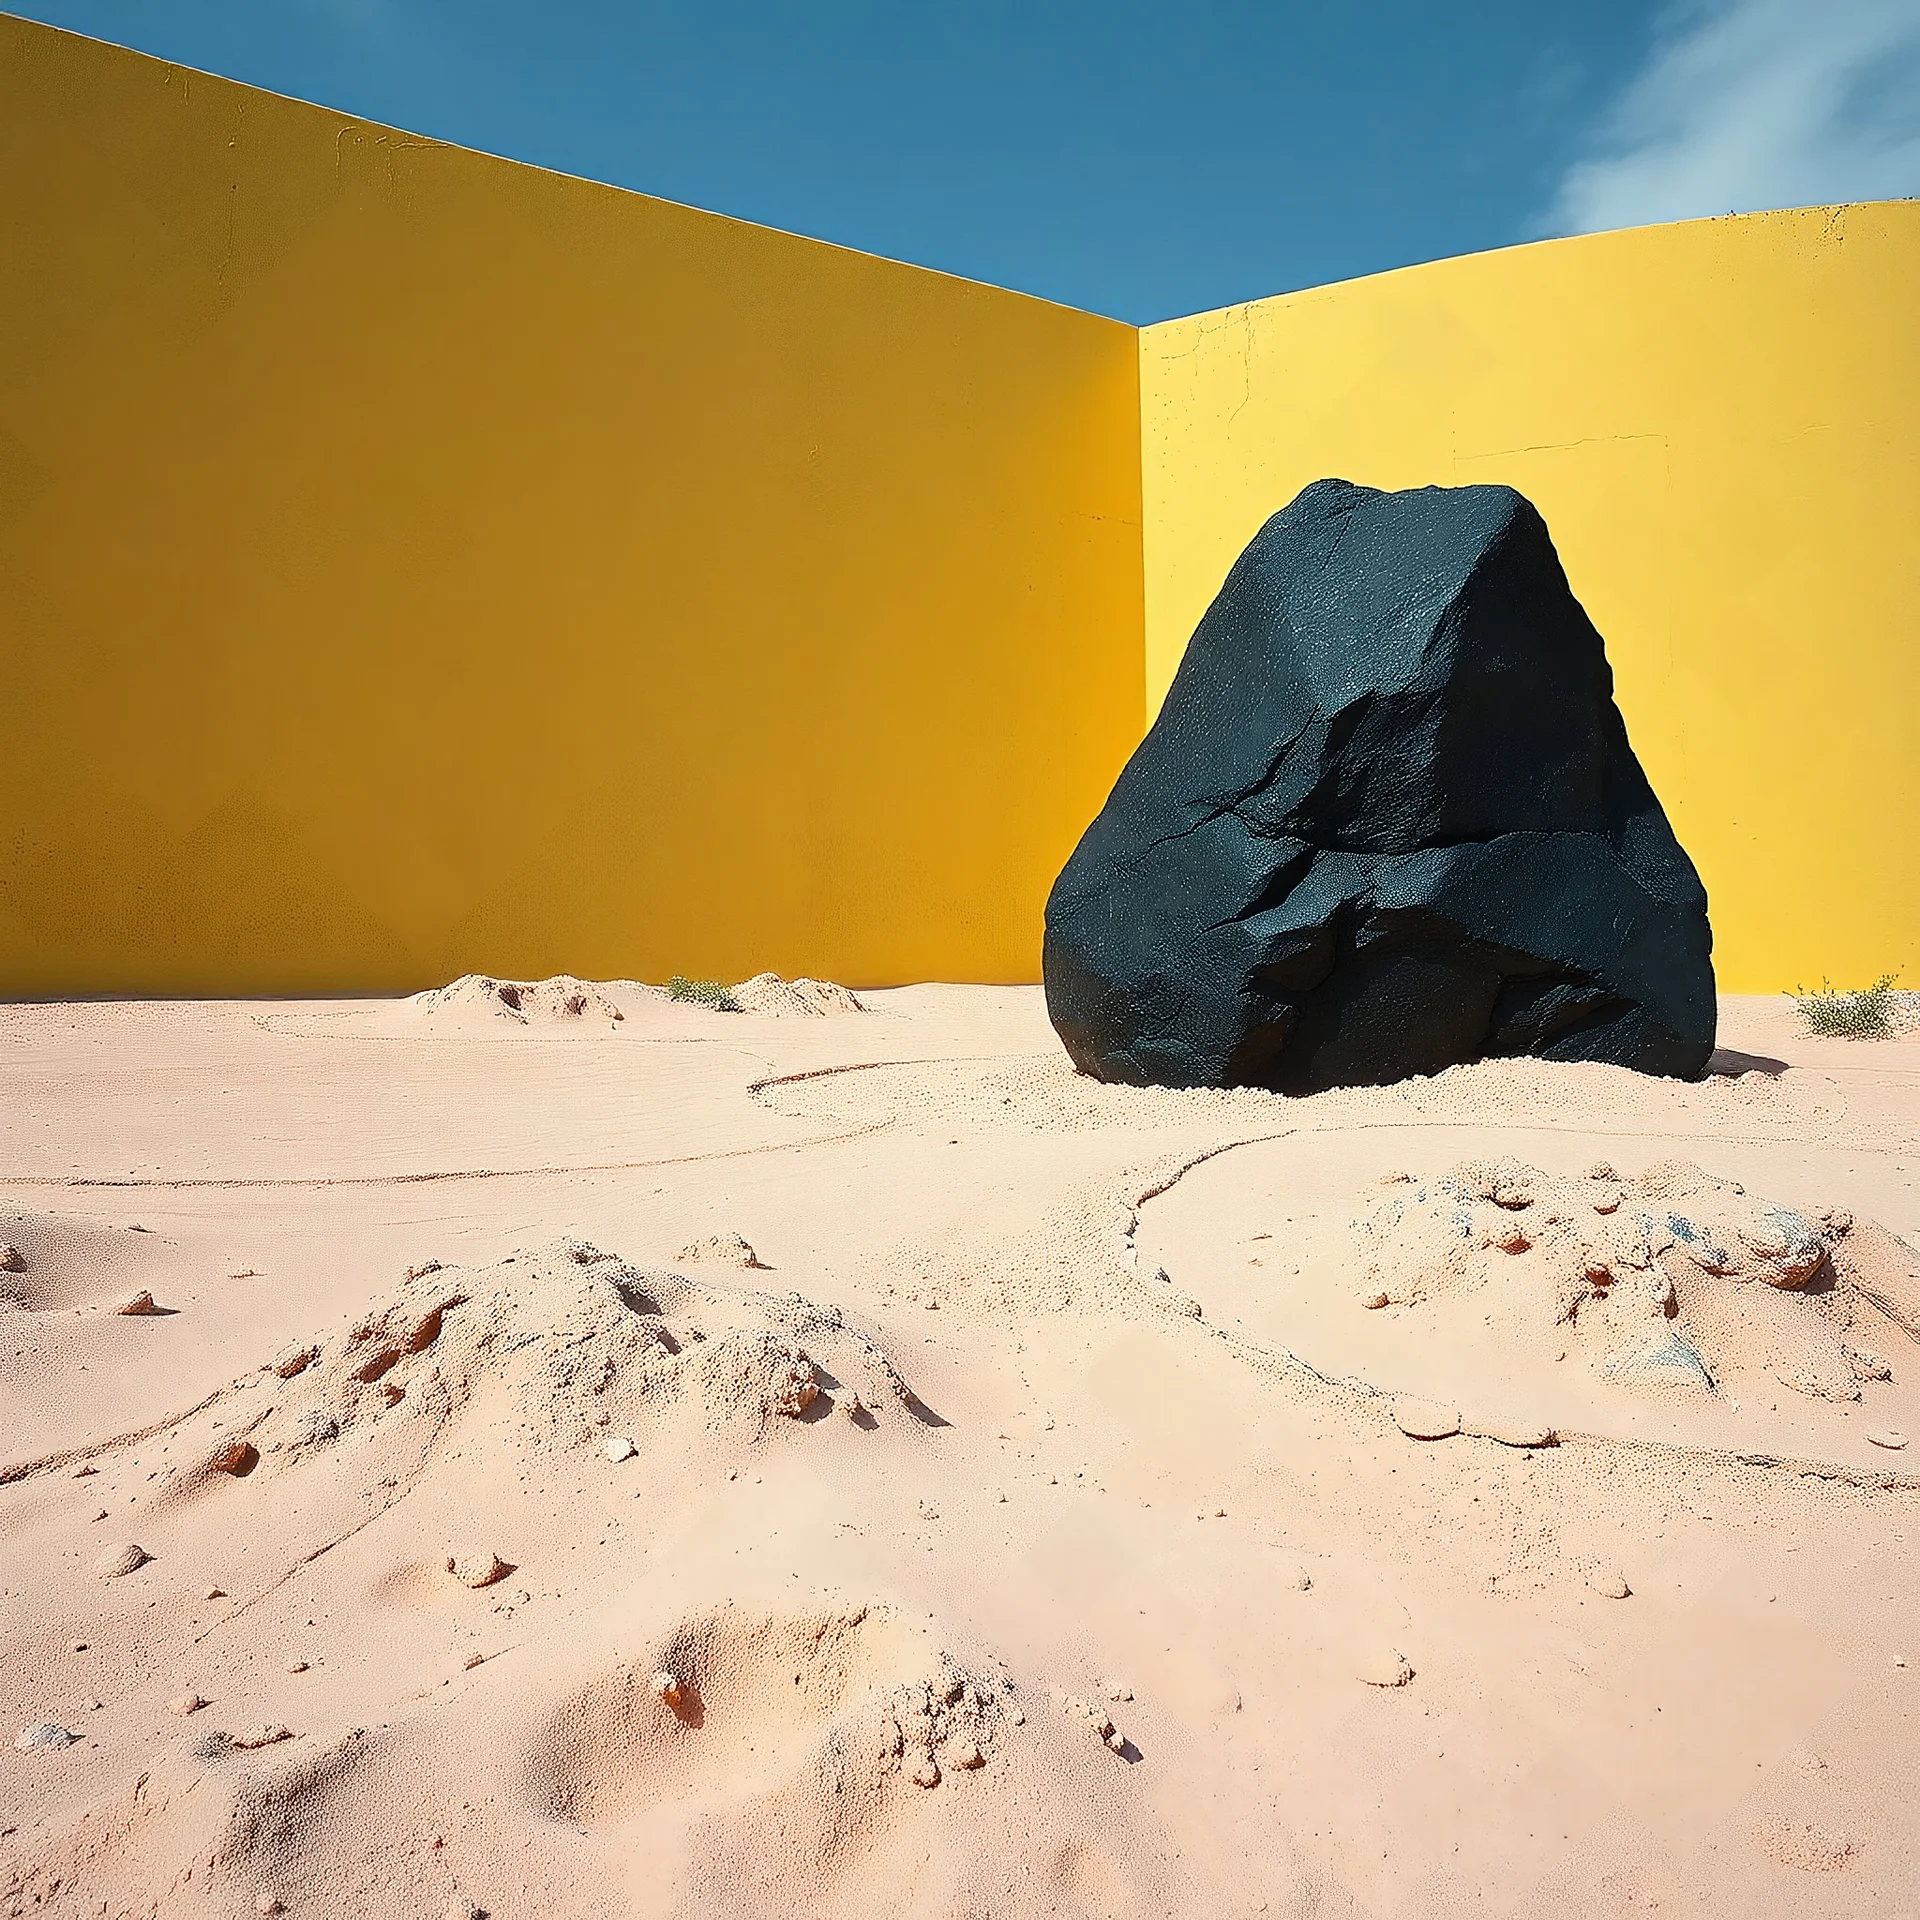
(1387, 821)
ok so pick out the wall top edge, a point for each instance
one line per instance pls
(1825, 210)
(40, 28)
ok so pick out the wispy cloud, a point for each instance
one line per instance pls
(1750, 104)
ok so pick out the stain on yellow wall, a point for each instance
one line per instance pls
(412, 562)
(1720, 421)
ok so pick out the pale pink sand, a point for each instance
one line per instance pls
(1031, 1530)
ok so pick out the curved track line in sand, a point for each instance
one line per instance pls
(1866, 1479)
(319, 1182)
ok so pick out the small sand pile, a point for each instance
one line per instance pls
(560, 1347)
(481, 999)
(1671, 1280)
(768, 993)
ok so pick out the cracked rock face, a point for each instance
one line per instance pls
(1387, 821)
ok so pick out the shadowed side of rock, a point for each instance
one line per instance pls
(1387, 821)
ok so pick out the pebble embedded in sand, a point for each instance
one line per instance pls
(477, 1569)
(620, 1448)
(214, 1593)
(294, 1360)
(296, 1666)
(1609, 1583)
(969, 1757)
(1296, 1579)
(1425, 1419)
(122, 1558)
(1889, 1437)
(1372, 1298)
(926, 1772)
(269, 1903)
(138, 1306)
(12, 1260)
(231, 1456)
(47, 1737)
(667, 1688)
(257, 1737)
(1383, 1667)
(185, 1703)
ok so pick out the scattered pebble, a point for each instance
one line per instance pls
(620, 1448)
(471, 1661)
(969, 1757)
(185, 1703)
(926, 1772)
(477, 1569)
(1372, 1298)
(12, 1260)
(1889, 1437)
(232, 1456)
(216, 1593)
(138, 1305)
(294, 1360)
(1296, 1579)
(77, 1646)
(667, 1689)
(1383, 1667)
(1425, 1419)
(296, 1666)
(120, 1559)
(1805, 1760)
(269, 1903)
(1609, 1582)
(256, 1737)
(47, 1737)
(93, 1705)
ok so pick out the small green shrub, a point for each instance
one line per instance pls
(1864, 1014)
(702, 993)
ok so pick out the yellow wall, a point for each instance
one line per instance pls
(1721, 423)
(412, 562)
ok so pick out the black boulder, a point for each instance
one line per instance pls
(1387, 820)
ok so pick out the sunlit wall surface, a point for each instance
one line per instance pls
(412, 562)
(1721, 423)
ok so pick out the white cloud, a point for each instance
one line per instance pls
(1751, 104)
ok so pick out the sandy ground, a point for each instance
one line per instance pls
(1034, 1528)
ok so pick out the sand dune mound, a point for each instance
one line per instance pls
(477, 1000)
(826, 1712)
(553, 1349)
(808, 999)
(1670, 1282)
(49, 1263)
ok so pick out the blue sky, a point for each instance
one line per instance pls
(1138, 160)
